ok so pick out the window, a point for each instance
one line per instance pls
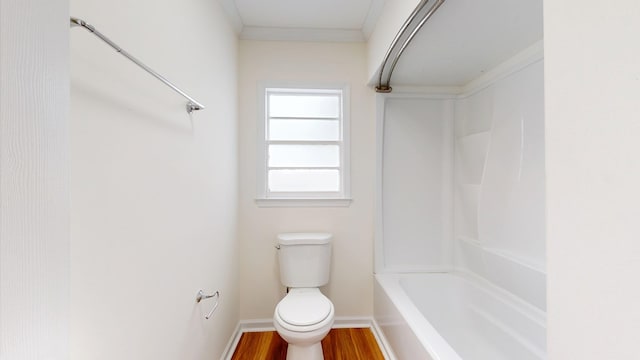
(303, 149)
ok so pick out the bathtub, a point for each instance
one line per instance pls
(455, 316)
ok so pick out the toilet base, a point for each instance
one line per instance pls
(311, 352)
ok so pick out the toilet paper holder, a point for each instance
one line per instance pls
(202, 296)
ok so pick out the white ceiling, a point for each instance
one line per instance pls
(325, 14)
(466, 38)
(460, 42)
(329, 20)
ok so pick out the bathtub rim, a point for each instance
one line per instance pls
(434, 343)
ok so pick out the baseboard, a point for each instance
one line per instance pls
(354, 322)
(341, 322)
(254, 325)
(383, 344)
(232, 344)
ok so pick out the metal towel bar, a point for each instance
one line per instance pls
(191, 105)
(201, 296)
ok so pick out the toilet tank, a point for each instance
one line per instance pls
(305, 259)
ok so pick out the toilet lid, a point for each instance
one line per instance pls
(304, 309)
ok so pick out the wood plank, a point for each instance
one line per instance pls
(260, 346)
(339, 344)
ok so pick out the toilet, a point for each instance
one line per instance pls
(304, 316)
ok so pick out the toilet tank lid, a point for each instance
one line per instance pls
(304, 238)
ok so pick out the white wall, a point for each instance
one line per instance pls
(592, 87)
(154, 191)
(34, 173)
(350, 287)
(500, 218)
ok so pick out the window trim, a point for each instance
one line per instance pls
(302, 199)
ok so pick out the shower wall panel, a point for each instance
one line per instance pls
(499, 216)
(416, 184)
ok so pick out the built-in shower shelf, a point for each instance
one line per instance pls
(528, 263)
(515, 258)
(470, 240)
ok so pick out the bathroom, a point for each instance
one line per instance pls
(146, 204)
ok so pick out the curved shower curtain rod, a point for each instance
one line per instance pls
(191, 105)
(385, 87)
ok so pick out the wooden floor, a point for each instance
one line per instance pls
(340, 344)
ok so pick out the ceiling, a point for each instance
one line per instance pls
(326, 14)
(330, 20)
(461, 41)
(466, 38)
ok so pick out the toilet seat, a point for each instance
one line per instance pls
(305, 309)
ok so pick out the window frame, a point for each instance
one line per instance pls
(266, 198)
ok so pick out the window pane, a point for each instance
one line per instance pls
(314, 106)
(304, 180)
(320, 130)
(304, 155)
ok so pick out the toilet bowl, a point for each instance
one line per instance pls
(303, 318)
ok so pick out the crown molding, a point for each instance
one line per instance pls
(301, 34)
(229, 7)
(375, 10)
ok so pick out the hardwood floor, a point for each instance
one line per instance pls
(260, 346)
(340, 344)
(351, 344)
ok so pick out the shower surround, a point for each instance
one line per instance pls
(461, 191)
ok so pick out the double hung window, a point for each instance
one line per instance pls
(304, 151)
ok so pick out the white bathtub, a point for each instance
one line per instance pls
(452, 316)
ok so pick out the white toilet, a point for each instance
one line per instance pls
(305, 316)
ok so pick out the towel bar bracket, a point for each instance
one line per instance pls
(202, 296)
(191, 107)
(383, 89)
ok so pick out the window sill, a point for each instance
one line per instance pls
(283, 202)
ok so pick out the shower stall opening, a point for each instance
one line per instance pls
(460, 238)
